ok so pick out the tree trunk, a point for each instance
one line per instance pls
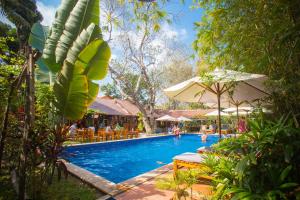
(147, 124)
(29, 119)
(5, 124)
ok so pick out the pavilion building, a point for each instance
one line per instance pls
(110, 111)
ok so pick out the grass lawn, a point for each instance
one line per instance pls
(69, 142)
(70, 189)
(6, 189)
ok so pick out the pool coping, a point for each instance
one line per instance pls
(112, 189)
(90, 178)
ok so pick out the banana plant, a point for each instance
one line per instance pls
(74, 50)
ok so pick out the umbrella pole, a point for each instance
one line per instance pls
(237, 116)
(219, 110)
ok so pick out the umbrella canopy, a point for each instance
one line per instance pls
(240, 109)
(233, 87)
(182, 118)
(167, 118)
(216, 113)
(220, 86)
(241, 113)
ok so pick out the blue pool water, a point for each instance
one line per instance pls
(119, 161)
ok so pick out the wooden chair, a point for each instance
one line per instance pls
(118, 134)
(90, 135)
(100, 135)
(109, 135)
(190, 161)
(85, 136)
(135, 134)
(124, 134)
(129, 135)
(79, 135)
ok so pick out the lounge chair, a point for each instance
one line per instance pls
(204, 150)
(189, 160)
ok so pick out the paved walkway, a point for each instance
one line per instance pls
(146, 191)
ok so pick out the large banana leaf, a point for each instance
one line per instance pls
(71, 91)
(72, 17)
(56, 30)
(75, 49)
(82, 41)
(93, 92)
(37, 39)
(94, 59)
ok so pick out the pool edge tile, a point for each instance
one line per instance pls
(110, 188)
(90, 178)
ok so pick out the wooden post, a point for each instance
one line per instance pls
(237, 115)
(29, 120)
(175, 168)
(219, 109)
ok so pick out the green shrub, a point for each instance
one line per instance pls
(261, 164)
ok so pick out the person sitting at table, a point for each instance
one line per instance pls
(108, 128)
(72, 129)
(92, 128)
(118, 127)
(169, 130)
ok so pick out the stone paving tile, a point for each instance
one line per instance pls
(146, 191)
(145, 177)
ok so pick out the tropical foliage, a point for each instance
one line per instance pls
(81, 58)
(111, 90)
(23, 13)
(261, 164)
(254, 36)
(75, 50)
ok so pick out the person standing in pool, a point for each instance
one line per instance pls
(176, 130)
(204, 137)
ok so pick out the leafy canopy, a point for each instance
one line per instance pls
(257, 37)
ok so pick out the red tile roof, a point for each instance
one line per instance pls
(109, 106)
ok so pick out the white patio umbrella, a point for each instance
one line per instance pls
(241, 113)
(182, 118)
(220, 86)
(167, 118)
(243, 108)
(232, 106)
(216, 113)
(239, 110)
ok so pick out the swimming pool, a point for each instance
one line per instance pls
(122, 160)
